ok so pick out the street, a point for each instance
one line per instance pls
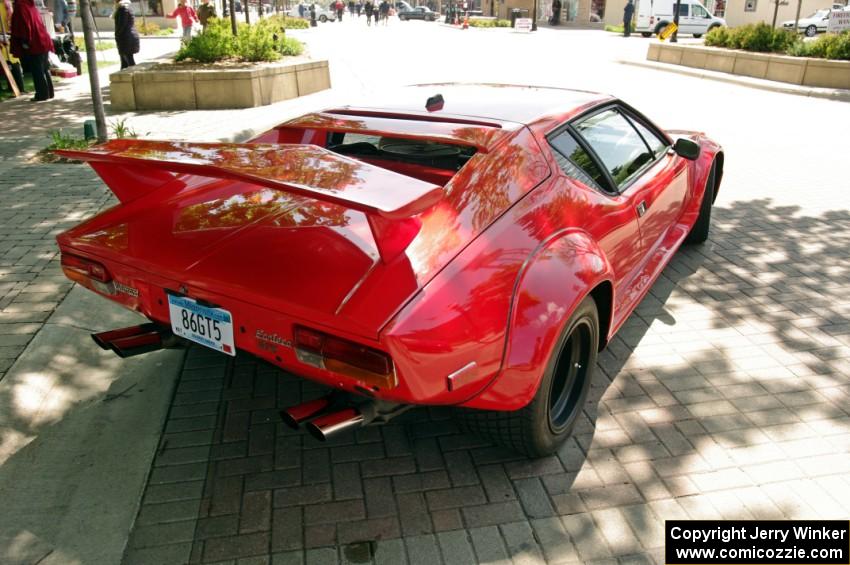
(725, 395)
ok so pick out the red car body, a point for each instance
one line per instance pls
(462, 279)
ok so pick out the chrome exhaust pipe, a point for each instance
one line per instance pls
(295, 415)
(103, 339)
(327, 425)
(136, 340)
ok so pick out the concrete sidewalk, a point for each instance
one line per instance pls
(78, 426)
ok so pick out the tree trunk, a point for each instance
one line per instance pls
(94, 79)
(233, 15)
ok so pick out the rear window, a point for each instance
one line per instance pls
(414, 151)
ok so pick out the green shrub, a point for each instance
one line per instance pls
(290, 47)
(717, 37)
(503, 23)
(285, 22)
(263, 41)
(216, 43)
(256, 42)
(829, 46)
(483, 23)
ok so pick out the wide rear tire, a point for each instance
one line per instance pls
(700, 229)
(547, 421)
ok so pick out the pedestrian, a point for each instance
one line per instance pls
(14, 62)
(340, 10)
(300, 10)
(369, 8)
(31, 43)
(126, 36)
(359, 7)
(187, 17)
(628, 13)
(351, 8)
(312, 15)
(556, 12)
(61, 17)
(384, 11)
(206, 11)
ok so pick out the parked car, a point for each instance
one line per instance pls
(322, 14)
(477, 259)
(418, 13)
(811, 24)
(652, 16)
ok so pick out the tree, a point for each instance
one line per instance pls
(94, 79)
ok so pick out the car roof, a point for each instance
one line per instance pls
(495, 102)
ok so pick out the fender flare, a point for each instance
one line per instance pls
(548, 289)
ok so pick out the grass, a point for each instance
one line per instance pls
(614, 29)
(28, 86)
(100, 65)
(98, 45)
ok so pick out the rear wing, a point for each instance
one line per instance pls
(132, 168)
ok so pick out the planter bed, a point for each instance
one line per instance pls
(189, 86)
(806, 71)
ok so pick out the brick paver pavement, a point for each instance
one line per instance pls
(724, 396)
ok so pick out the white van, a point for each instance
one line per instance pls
(655, 15)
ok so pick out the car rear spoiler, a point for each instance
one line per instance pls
(132, 168)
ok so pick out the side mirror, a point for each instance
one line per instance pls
(686, 148)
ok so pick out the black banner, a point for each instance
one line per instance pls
(741, 542)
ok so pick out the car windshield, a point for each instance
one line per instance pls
(820, 14)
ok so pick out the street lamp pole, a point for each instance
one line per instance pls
(675, 37)
(534, 17)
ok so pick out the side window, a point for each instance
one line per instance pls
(575, 161)
(683, 10)
(616, 143)
(656, 144)
(699, 11)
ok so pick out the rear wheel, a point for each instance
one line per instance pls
(697, 35)
(646, 33)
(323, 18)
(811, 31)
(699, 232)
(547, 421)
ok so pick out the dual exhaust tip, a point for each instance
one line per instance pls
(322, 421)
(135, 340)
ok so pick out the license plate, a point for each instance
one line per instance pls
(212, 327)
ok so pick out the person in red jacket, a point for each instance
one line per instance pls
(187, 17)
(31, 43)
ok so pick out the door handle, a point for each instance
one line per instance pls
(641, 209)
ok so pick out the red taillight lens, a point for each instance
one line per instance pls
(72, 264)
(349, 358)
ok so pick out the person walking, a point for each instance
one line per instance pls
(13, 62)
(368, 8)
(340, 10)
(62, 17)
(206, 11)
(351, 8)
(359, 7)
(628, 14)
(31, 43)
(556, 12)
(187, 17)
(384, 11)
(126, 36)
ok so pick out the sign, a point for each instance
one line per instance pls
(523, 24)
(839, 20)
(667, 31)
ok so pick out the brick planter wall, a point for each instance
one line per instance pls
(804, 71)
(154, 86)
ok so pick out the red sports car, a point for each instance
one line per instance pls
(463, 245)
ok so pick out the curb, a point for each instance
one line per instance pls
(834, 94)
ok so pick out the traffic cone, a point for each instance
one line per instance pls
(466, 21)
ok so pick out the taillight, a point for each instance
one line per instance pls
(366, 364)
(88, 273)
